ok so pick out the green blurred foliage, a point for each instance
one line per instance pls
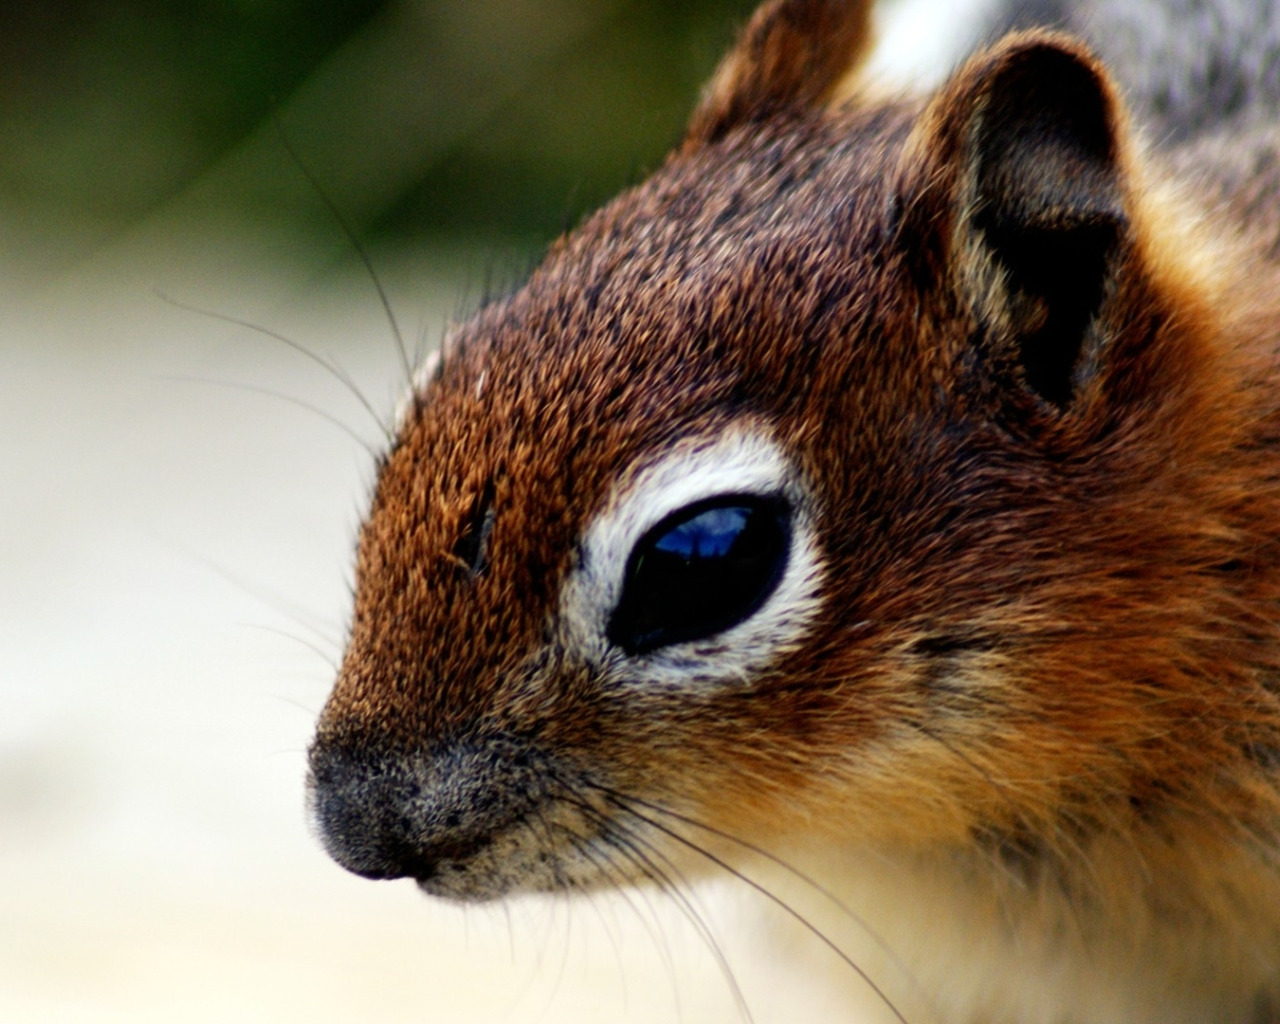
(595, 117)
(113, 105)
(418, 118)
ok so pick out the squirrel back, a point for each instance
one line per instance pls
(888, 490)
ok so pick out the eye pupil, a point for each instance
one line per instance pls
(701, 571)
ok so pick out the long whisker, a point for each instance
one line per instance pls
(581, 847)
(281, 396)
(511, 935)
(356, 244)
(606, 867)
(314, 648)
(336, 371)
(308, 619)
(668, 879)
(564, 954)
(623, 804)
(759, 851)
(651, 922)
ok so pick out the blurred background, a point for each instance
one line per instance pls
(182, 478)
(422, 120)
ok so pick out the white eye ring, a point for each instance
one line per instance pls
(743, 460)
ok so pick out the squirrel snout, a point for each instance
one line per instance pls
(370, 814)
(429, 817)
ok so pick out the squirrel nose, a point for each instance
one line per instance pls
(361, 810)
(398, 817)
(382, 819)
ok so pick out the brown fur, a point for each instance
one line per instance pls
(1044, 672)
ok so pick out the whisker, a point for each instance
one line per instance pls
(615, 846)
(652, 924)
(310, 710)
(584, 849)
(511, 935)
(622, 804)
(790, 869)
(336, 371)
(310, 620)
(672, 884)
(549, 927)
(564, 887)
(314, 648)
(281, 396)
(354, 240)
(668, 880)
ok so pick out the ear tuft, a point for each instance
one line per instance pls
(1025, 145)
(792, 54)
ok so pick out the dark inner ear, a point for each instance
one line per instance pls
(1056, 282)
(1048, 206)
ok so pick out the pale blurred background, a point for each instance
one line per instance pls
(179, 507)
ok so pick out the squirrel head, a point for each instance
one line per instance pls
(783, 494)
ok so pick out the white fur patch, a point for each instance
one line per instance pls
(422, 376)
(743, 460)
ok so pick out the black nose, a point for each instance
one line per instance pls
(364, 812)
(398, 817)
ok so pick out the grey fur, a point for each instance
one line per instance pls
(1188, 67)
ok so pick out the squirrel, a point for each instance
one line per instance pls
(881, 500)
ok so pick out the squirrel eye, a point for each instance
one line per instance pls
(700, 571)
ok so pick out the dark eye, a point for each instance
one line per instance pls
(700, 571)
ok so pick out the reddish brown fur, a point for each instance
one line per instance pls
(792, 54)
(1047, 628)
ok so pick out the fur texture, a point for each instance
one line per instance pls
(1018, 376)
(1187, 66)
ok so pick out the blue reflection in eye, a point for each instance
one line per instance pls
(709, 535)
(701, 570)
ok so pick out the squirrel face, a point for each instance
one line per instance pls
(876, 469)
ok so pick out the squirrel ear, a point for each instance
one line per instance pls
(1020, 160)
(792, 54)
